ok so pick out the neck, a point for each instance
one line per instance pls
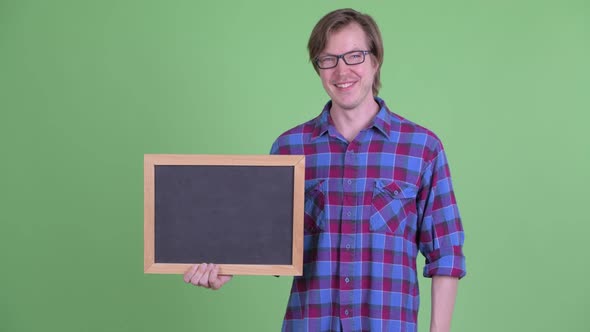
(349, 122)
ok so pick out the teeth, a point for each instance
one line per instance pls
(344, 85)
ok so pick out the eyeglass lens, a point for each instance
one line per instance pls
(350, 58)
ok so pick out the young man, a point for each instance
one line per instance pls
(378, 191)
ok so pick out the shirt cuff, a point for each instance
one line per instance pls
(446, 262)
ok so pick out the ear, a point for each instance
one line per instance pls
(374, 62)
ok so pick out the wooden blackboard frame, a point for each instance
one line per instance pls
(297, 162)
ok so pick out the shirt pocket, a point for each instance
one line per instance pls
(315, 214)
(392, 203)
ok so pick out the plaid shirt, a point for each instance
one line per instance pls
(370, 206)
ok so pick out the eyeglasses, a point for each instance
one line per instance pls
(350, 58)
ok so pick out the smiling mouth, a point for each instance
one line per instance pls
(344, 85)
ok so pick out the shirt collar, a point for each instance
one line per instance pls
(322, 122)
(381, 122)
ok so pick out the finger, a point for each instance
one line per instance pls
(198, 274)
(188, 275)
(225, 278)
(214, 281)
(218, 280)
(204, 281)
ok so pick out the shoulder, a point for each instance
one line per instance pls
(409, 134)
(306, 128)
(292, 140)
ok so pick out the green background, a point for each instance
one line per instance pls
(88, 87)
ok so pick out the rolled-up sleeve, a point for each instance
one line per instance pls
(441, 235)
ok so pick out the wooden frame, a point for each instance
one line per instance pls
(295, 161)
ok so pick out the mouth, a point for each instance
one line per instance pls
(344, 85)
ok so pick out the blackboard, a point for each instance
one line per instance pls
(244, 213)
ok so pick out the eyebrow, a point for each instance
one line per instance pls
(332, 54)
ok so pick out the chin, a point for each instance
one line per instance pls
(346, 104)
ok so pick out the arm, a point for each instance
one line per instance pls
(444, 291)
(441, 241)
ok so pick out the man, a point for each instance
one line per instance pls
(378, 190)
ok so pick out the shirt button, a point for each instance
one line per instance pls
(348, 246)
(347, 280)
(348, 213)
(349, 181)
(396, 192)
(346, 312)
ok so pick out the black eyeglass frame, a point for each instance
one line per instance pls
(341, 56)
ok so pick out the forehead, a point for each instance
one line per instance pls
(348, 38)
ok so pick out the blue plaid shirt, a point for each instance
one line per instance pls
(370, 206)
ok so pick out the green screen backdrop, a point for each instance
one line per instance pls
(88, 87)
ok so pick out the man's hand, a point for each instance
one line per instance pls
(206, 275)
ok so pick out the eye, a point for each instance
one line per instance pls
(355, 56)
(326, 60)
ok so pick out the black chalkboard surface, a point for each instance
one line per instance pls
(244, 213)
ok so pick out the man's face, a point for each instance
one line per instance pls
(349, 86)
